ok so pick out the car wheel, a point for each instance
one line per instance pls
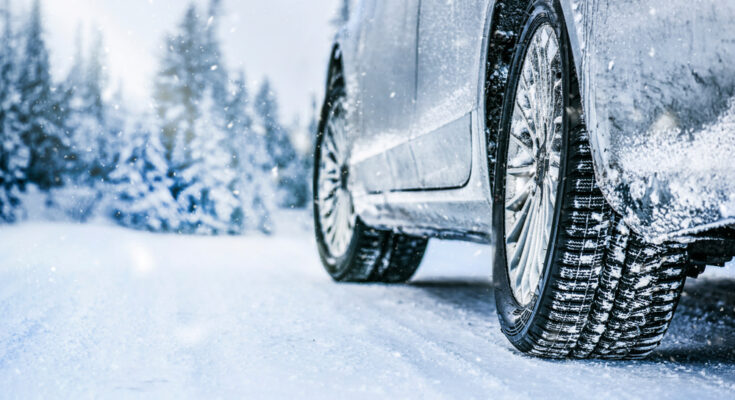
(571, 279)
(351, 251)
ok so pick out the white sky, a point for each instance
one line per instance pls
(288, 40)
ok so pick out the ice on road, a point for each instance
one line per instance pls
(96, 311)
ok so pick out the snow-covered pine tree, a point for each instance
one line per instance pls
(179, 88)
(140, 182)
(77, 122)
(14, 154)
(91, 154)
(42, 111)
(216, 74)
(207, 195)
(117, 121)
(73, 85)
(301, 142)
(96, 76)
(284, 162)
(91, 137)
(237, 122)
(253, 184)
(193, 102)
(95, 83)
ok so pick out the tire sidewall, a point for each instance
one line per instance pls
(516, 320)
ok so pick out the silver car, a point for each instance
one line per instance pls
(592, 142)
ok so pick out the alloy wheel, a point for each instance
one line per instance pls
(336, 211)
(533, 163)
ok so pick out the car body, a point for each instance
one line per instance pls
(657, 81)
(590, 142)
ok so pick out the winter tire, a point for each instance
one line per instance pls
(351, 251)
(572, 281)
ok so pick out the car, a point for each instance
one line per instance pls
(590, 142)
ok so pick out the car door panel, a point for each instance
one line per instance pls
(444, 160)
(387, 98)
(449, 51)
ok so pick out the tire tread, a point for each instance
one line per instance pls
(614, 294)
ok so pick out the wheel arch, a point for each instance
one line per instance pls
(505, 22)
(504, 28)
(334, 68)
(340, 67)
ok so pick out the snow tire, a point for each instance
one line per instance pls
(605, 291)
(372, 255)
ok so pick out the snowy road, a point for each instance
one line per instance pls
(90, 311)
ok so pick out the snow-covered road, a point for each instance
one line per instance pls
(95, 311)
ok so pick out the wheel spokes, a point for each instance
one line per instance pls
(533, 164)
(336, 213)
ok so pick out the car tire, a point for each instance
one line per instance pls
(368, 255)
(603, 291)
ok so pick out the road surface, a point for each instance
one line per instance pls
(99, 311)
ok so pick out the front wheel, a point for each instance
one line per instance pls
(351, 251)
(571, 279)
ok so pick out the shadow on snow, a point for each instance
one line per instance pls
(702, 332)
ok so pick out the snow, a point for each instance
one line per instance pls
(692, 187)
(100, 311)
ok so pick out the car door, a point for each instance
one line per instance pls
(382, 155)
(449, 51)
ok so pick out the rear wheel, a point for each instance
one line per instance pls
(571, 279)
(351, 251)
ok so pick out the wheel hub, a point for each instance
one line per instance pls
(344, 175)
(533, 163)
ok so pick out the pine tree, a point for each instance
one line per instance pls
(207, 194)
(95, 82)
(92, 154)
(283, 161)
(141, 185)
(73, 85)
(194, 105)
(253, 184)
(117, 121)
(179, 89)
(238, 122)
(217, 76)
(42, 111)
(95, 76)
(14, 154)
(81, 152)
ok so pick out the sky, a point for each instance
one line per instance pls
(287, 40)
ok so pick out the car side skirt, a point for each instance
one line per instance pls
(463, 213)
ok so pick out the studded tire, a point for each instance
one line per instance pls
(605, 292)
